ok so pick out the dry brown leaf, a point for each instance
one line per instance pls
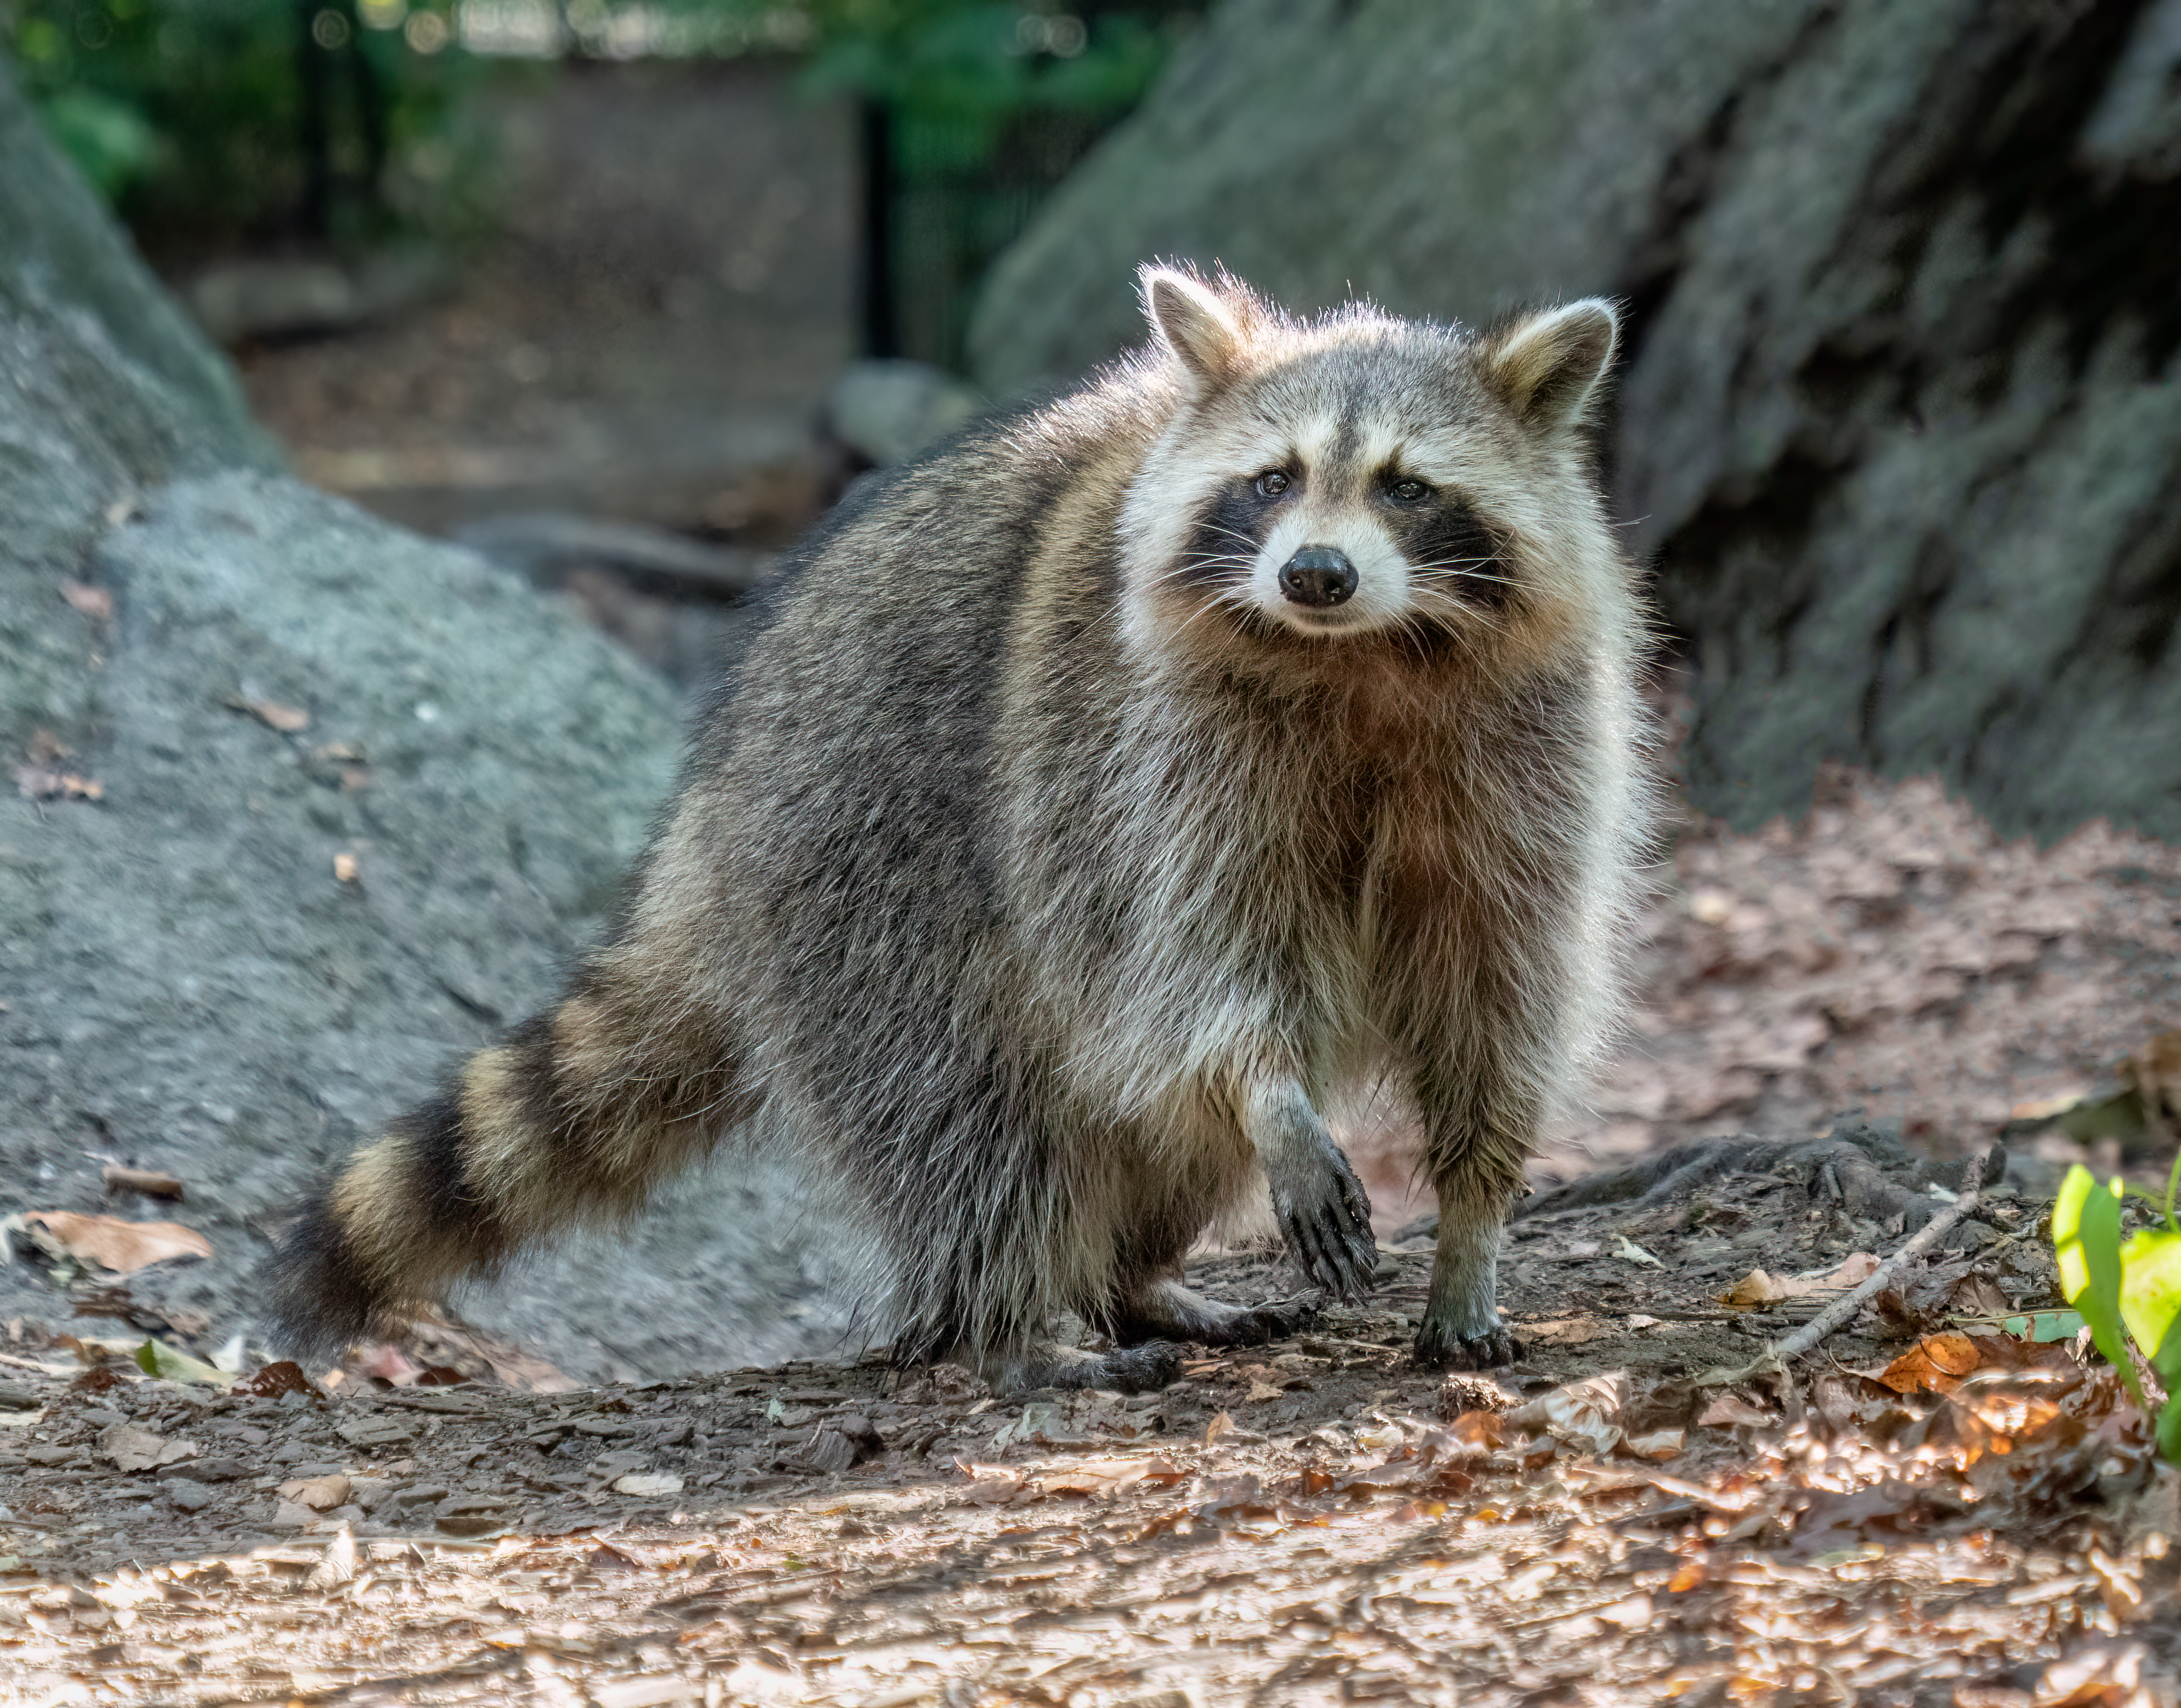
(132, 1449)
(112, 1243)
(94, 602)
(1727, 1410)
(1935, 1365)
(145, 1183)
(319, 1494)
(284, 1376)
(1105, 1476)
(1755, 1288)
(288, 720)
(1758, 1288)
(1655, 1445)
(1579, 1414)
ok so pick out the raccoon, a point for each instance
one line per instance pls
(1105, 794)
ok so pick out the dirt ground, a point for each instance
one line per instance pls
(1316, 1520)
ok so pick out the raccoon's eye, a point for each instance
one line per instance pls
(1271, 483)
(1407, 491)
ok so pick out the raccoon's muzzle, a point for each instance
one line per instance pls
(1320, 576)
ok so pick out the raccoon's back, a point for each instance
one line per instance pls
(848, 767)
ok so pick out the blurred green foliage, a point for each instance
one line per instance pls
(208, 122)
(958, 76)
(212, 118)
(973, 111)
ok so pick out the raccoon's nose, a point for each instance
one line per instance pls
(1318, 575)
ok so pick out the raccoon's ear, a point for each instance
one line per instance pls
(1547, 368)
(1199, 325)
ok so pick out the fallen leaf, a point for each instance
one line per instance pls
(1935, 1364)
(122, 1246)
(1758, 1288)
(145, 1183)
(319, 1494)
(1755, 1288)
(1630, 1251)
(1260, 1392)
(1655, 1445)
(1726, 1411)
(94, 602)
(284, 1376)
(1105, 1476)
(345, 869)
(1580, 1414)
(132, 1449)
(288, 720)
(1217, 1427)
(1478, 1432)
(155, 1357)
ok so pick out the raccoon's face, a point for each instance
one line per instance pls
(1330, 518)
(1361, 476)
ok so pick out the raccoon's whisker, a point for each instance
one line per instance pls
(1195, 562)
(1464, 567)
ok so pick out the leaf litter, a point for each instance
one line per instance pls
(1312, 1520)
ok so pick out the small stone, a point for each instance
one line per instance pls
(220, 1470)
(470, 1515)
(370, 1493)
(288, 1516)
(662, 1483)
(188, 1495)
(420, 1495)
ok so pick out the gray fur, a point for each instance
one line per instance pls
(1042, 876)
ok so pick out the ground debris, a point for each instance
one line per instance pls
(1313, 1520)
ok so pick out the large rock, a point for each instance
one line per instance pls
(1899, 418)
(307, 807)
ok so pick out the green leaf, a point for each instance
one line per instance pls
(157, 1358)
(2044, 1326)
(2086, 1240)
(2169, 1431)
(2151, 1299)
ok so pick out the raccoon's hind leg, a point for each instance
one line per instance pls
(1043, 1363)
(1167, 1310)
(574, 1118)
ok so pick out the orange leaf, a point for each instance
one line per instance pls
(1935, 1365)
(123, 1248)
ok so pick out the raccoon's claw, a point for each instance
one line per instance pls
(1275, 1321)
(1325, 1217)
(1439, 1349)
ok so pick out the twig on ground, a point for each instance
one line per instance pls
(1803, 1339)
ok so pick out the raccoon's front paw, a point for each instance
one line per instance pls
(1325, 1217)
(1441, 1349)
